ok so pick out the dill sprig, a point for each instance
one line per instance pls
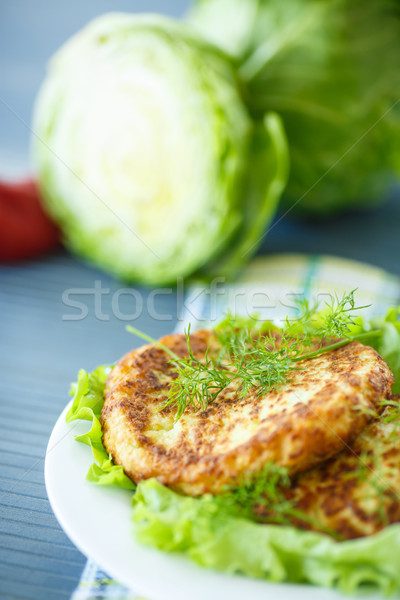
(340, 316)
(256, 356)
(246, 365)
(334, 320)
(263, 497)
(258, 493)
(266, 364)
(198, 383)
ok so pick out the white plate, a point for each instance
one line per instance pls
(97, 520)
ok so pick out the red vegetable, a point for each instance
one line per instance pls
(25, 230)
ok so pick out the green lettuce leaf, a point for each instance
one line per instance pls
(87, 404)
(387, 344)
(204, 530)
(200, 528)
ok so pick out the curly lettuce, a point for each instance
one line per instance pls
(86, 404)
(202, 530)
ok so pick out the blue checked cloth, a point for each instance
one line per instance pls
(268, 287)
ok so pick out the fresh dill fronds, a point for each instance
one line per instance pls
(304, 323)
(264, 497)
(249, 361)
(237, 335)
(266, 365)
(260, 493)
(259, 355)
(334, 320)
(339, 316)
(198, 383)
(256, 356)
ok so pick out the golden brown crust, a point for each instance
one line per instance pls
(357, 492)
(323, 406)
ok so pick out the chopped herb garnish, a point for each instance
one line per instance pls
(264, 497)
(254, 356)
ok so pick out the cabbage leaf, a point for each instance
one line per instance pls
(331, 70)
(146, 153)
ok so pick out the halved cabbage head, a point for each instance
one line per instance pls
(147, 156)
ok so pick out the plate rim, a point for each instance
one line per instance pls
(235, 585)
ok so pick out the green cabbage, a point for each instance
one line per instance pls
(147, 156)
(331, 69)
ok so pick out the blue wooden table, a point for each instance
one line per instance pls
(42, 348)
